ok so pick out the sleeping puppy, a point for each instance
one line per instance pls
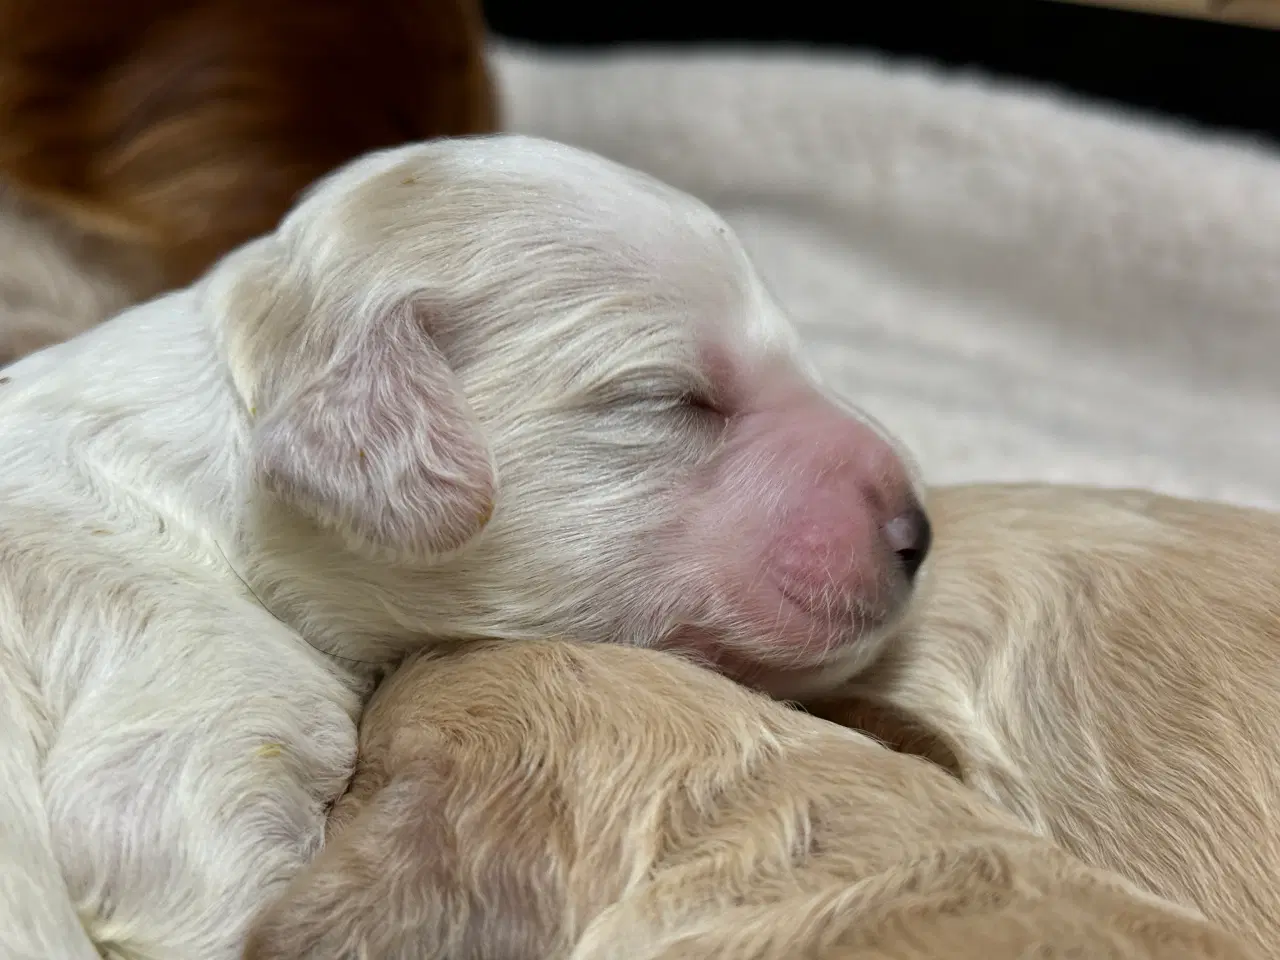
(1106, 665)
(469, 388)
(549, 800)
(142, 139)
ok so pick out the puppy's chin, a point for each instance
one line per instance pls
(804, 683)
(782, 670)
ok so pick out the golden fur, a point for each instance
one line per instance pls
(550, 800)
(1105, 665)
(152, 136)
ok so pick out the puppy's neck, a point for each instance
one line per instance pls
(936, 693)
(959, 734)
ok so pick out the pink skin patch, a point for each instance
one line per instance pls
(808, 520)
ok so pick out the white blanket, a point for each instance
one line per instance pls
(1020, 287)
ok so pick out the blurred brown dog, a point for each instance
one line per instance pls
(142, 139)
(1106, 665)
(546, 799)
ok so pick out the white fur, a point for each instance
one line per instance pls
(182, 656)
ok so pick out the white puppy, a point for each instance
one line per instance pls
(488, 387)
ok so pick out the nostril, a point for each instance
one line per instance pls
(910, 536)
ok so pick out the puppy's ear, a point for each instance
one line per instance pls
(381, 446)
(396, 884)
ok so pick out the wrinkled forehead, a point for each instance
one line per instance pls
(529, 206)
(507, 179)
(557, 193)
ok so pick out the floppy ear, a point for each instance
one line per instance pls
(396, 884)
(382, 447)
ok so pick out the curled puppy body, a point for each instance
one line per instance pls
(1106, 665)
(556, 800)
(142, 139)
(469, 388)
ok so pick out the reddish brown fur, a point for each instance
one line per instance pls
(185, 127)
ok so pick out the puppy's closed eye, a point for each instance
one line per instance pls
(645, 395)
(702, 402)
(690, 411)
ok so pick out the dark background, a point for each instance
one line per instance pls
(1217, 75)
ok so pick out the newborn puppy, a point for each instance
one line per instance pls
(551, 800)
(469, 388)
(1106, 665)
(142, 139)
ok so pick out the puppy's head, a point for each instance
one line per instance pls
(557, 391)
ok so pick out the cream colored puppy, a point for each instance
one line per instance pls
(469, 388)
(551, 800)
(1105, 665)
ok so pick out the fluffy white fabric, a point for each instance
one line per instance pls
(1020, 287)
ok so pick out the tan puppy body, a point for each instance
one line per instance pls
(544, 800)
(1105, 665)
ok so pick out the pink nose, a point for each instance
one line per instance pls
(851, 527)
